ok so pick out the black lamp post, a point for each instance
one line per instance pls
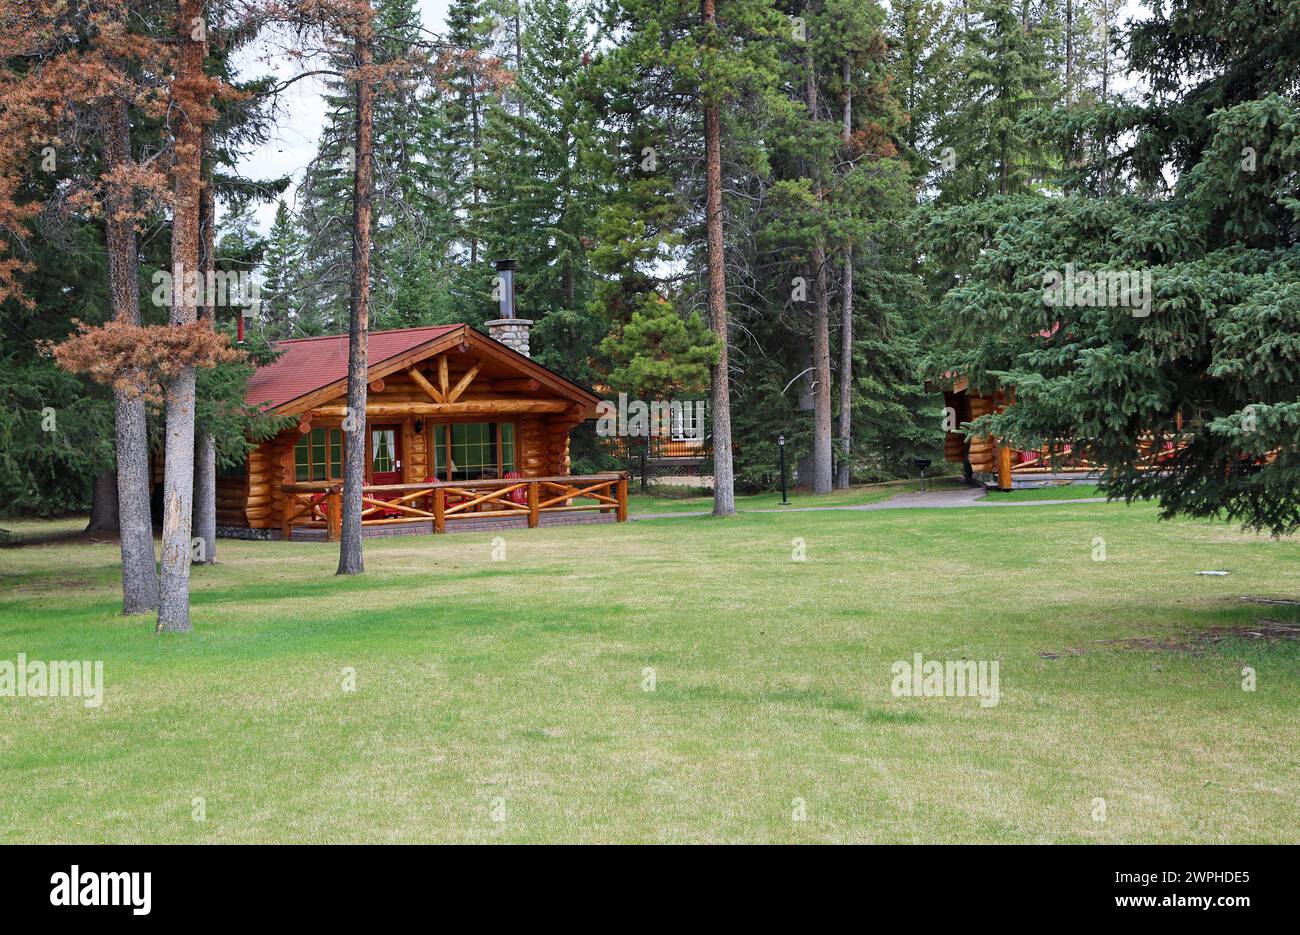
(780, 443)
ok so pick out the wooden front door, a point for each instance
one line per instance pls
(386, 454)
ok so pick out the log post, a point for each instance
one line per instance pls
(532, 505)
(439, 510)
(1004, 467)
(334, 514)
(622, 499)
(286, 511)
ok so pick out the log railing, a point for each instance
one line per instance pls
(1152, 453)
(320, 505)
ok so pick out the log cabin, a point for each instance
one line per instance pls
(463, 431)
(989, 461)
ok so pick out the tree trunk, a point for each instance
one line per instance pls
(844, 476)
(135, 524)
(357, 448)
(1069, 51)
(821, 337)
(821, 349)
(205, 450)
(724, 485)
(178, 479)
(103, 504)
(519, 59)
(474, 170)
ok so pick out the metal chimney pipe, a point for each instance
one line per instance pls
(506, 272)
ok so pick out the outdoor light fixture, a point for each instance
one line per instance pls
(780, 443)
(921, 465)
(419, 426)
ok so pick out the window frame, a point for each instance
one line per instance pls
(333, 442)
(491, 450)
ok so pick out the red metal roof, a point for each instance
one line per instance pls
(307, 364)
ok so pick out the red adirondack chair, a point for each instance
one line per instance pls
(520, 495)
(450, 499)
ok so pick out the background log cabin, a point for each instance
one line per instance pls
(445, 403)
(986, 459)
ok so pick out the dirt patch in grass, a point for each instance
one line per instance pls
(1196, 641)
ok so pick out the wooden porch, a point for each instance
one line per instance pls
(315, 510)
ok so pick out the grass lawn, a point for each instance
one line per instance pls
(22, 529)
(507, 700)
(1051, 492)
(663, 499)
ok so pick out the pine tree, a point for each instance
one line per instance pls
(541, 185)
(694, 70)
(1201, 347)
(1004, 76)
(280, 276)
(415, 213)
(472, 76)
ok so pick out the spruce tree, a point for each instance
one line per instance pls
(1197, 345)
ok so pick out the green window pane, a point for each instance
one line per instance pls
(382, 450)
(507, 431)
(301, 460)
(473, 451)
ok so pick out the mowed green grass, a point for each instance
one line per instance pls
(669, 500)
(22, 529)
(507, 700)
(1049, 492)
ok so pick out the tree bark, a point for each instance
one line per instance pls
(844, 476)
(821, 339)
(724, 485)
(135, 523)
(357, 447)
(1069, 52)
(178, 479)
(205, 449)
(103, 504)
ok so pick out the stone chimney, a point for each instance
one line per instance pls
(509, 330)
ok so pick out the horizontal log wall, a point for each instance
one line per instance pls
(232, 500)
(983, 448)
(530, 438)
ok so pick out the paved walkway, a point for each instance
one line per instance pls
(934, 499)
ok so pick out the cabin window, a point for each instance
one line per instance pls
(685, 421)
(478, 450)
(472, 452)
(506, 435)
(384, 458)
(319, 455)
